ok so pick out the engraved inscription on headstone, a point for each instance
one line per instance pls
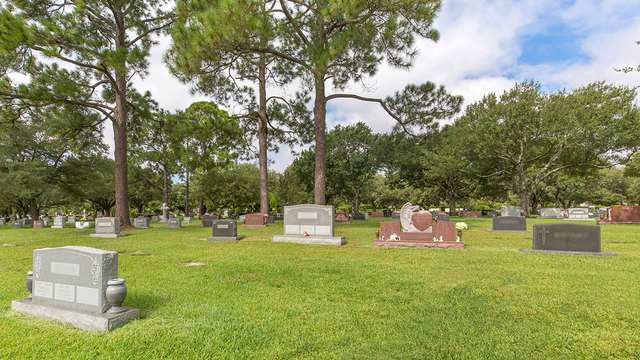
(509, 223)
(73, 277)
(578, 214)
(567, 237)
(311, 224)
(107, 227)
(224, 230)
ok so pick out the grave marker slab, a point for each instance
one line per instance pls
(508, 210)
(58, 222)
(310, 224)
(255, 220)
(578, 214)
(207, 220)
(186, 220)
(38, 224)
(509, 223)
(224, 230)
(174, 223)
(567, 237)
(552, 213)
(141, 222)
(620, 215)
(77, 285)
(107, 227)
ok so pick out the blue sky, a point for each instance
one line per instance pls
(485, 46)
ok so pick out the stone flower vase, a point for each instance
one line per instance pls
(116, 292)
(29, 282)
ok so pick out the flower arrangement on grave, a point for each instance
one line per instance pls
(459, 227)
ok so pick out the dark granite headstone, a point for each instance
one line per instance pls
(567, 237)
(509, 223)
(358, 216)
(387, 213)
(207, 220)
(441, 217)
(224, 230)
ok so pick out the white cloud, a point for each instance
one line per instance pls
(477, 54)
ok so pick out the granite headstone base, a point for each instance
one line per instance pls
(224, 238)
(86, 321)
(312, 239)
(108, 236)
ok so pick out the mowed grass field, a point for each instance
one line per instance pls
(260, 300)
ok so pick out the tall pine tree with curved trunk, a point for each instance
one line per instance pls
(213, 48)
(344, 42)
(104, 44)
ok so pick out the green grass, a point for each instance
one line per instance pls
(261, 300)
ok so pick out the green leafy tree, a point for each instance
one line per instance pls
(524, 137)
(213, 44)
(102, 44)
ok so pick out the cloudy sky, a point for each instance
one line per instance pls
(485, 46)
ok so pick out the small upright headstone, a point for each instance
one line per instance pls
(71, 219)
(553, 213)
(38, 224)
(18, 223)
(441, 216)
(578, 214)
(174, 223)
(77, 285)
(508, 210)
(509, 223)
(359, 216)
(567, 237)
(255, 220)
(309, 224)
(207, 220)
(58, 222)
(2, 221)
(387, 213)
(108, 227)
(186, 220)
(224, 230)
(141, 222)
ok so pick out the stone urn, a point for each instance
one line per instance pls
(29, 282)
(116, 293)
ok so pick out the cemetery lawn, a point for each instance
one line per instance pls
(260, 300)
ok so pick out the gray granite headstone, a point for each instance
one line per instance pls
(58, 222)
(508, 210)
(107, 227)
(186, 220)
(509, 223)
(310, 224)
(207, 220)
(174, 223)
(224, 230)
(359, 216)
(554, 213)
(71, 219)
(441, 217)
(567, 237)
(141, 222)
(2, 221)
(73, 277)
(578, 214)
(18, 223)
(70, 285)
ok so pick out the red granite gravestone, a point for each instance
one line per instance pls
(255, 219)
(471, 213)
(377, 214)
(621, 215)
(431, 233)
(342, 217)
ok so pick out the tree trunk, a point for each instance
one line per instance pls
(452, 206)
(319, 118)
(120, 132)
(34, 210)
(524, 202)
(262, 137)
(187, 211)
(165, 194)
(202, 209)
